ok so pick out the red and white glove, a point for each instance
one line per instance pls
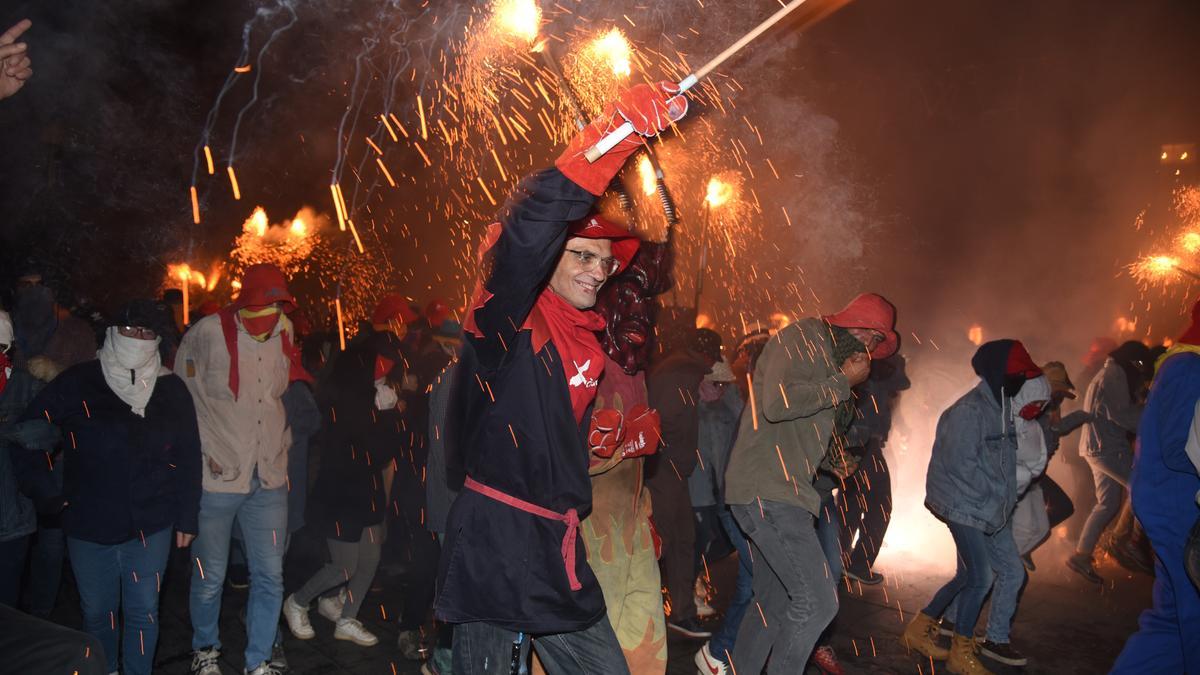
(605, 435)
(643, 431)
(649, 108)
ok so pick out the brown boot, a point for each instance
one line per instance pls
(964, 657)
(921, 634)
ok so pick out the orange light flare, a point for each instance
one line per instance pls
(597, 70)
(646, 174)
(520, 19)
(719, 192)
(1189, 242)
(975, 334)
(1159, 270)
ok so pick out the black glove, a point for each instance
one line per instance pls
(1191, 554)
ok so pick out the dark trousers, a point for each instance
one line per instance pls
(483, 649)
(791, 585)
(676, 525)
(12, 565)
(32, 645)
(867, 505)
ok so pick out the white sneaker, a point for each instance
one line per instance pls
(296, 616)
(706, 664)
(264, 668)
(331, 608)
(204, 661)
(352, 630)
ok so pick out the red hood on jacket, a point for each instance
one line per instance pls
(873, 312)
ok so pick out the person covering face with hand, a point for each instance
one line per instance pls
(800, 399)
(513, 564)
(132, 474)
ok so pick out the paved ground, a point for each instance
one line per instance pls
(1065, 625)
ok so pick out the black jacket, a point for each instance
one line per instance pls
(357, 441)
(512, 428)
(124, 475)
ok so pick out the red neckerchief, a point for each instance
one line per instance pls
(229, 329)
(573, 333)
(4, 364)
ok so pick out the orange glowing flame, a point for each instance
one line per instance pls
(1155, 269)
(519, 18)
(975, 334)
(257, 222)
(646, 173)
(719, 192)
(299, 226)
(1124, 325)
(613, 48)
(1190, 241)
(704, 321)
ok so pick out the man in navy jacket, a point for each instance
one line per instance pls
(514, 567)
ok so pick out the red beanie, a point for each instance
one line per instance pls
(393, 306)
(873, 312)
(624, 243)
(263, 284)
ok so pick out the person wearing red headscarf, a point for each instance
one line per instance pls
(1164, 486)
(513, 564)
(237, 364)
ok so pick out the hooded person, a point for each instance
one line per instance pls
(513, 564)
(237, 364)
(972, 485)
(1114, 402)
(1165, 487)
(801, 407)
(132, 474)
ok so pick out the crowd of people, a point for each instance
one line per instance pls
(554, 464)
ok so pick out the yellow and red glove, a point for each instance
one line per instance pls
(649, 108)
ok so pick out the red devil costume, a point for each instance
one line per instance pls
(525, 382)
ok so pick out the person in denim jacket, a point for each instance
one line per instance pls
(971, 485)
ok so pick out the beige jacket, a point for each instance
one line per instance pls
(252, 431)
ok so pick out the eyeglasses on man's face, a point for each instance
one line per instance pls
(590, 261)
(137, 332)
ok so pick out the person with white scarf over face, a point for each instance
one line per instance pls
(132, 474)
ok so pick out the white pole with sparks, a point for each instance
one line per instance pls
(622, 132)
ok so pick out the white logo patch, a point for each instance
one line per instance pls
(580, 378)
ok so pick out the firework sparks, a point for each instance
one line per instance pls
(719, 192)
(1189, 241)
(646, 175)
(521, 19)
(599, 69)
(1159, 270)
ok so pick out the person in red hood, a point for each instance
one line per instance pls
(513, 564)
(237, 364)
(800, 409)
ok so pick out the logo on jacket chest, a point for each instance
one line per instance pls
(581, 378)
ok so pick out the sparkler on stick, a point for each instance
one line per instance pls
(1160, 269)
(719, 192)
(622, 132)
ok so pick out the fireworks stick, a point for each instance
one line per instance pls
(622, 132)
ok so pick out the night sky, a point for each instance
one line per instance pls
(994, 154)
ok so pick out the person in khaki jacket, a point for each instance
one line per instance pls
(236, 364)
(799, 410)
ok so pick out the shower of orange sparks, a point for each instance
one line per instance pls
(718, 192)
(519, 18)
(613, 49)
(1155, 269)
(1190, 241)
(646, 173)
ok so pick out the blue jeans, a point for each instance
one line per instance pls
(970, 583)
(262, 514)
(722, 640)
(1005, 561)
(483, 649)
(1111, 476)
(122, 580)
(829, 532)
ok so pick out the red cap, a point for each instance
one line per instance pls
(1020, 362)
(263, 284)
(393, 306)
(1192, 335)
(624, 243)
(875, 313)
